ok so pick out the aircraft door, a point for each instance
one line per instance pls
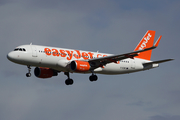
(133, 64)
(34, 51)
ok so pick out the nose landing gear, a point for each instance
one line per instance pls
(29, 71)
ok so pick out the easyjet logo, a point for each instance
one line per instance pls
(145, 41)
(83, 65)
(69, 54)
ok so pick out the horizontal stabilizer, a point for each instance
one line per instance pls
(157, 62)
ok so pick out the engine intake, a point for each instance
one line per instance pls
(80, 66)
(44, 72)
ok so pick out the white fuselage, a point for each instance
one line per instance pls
(59, 59)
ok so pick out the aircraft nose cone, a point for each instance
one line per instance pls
(10, 56)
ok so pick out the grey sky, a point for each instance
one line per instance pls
(110, 26)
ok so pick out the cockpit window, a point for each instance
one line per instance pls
(20, 49)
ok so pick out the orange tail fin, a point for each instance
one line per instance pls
(146, 42)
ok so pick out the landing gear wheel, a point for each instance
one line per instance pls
(29, 71)
(93, 78)
(69, 82)
(28, 74)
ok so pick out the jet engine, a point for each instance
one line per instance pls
(80, 66)
(44, 72)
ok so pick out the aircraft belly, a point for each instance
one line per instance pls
(114, 68)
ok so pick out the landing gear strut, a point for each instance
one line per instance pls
(93, 77)
(29, 71)
(68, 81)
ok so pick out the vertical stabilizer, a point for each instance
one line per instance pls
(146, 42)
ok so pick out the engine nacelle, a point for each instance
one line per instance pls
(44, 72)
(80, 66)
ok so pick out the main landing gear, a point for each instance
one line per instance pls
(68, 81)
(29, 71)
(93, 77)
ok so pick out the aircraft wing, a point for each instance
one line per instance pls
(114, 58)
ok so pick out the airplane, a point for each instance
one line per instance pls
(49, 61)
